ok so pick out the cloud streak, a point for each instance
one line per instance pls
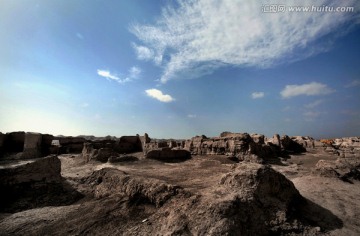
(314, 104)
(133, 73)
(256, 95)
(353, 83)
(158, 95)
(311, 89)
(201, 35)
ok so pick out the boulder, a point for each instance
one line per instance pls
(35, 184)
(346, 169)
(275, 140)
(289, 145)
(88, 151)
(251, 200)
(112, 182)
(306, 142)
(101, 154)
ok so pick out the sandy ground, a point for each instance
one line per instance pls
(198, 175)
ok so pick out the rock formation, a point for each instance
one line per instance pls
(293, 145)
(32, 145)
(35, 184)
(252, 200)
(243, 146)
(346, 169)
(102, 150)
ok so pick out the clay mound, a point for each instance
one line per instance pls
(251, 200)
(110, 182)
(33, 185)
(346, 169)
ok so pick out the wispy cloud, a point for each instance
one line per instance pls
(202, 35)
(312, 115)
(256, 95)
(133, 73)
(142, 52)
(314, 104)
(353, 83)
(157, 94)
(191, 116)
(311, 89)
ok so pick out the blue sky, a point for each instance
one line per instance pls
(176, 70)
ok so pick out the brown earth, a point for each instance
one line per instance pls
(198, 196)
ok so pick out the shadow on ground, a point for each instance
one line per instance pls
(29, 195)
(316, 215)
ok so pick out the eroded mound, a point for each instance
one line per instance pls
(251, 200)
(110, 182)
(35, 184)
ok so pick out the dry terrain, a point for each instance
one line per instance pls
(331, 206)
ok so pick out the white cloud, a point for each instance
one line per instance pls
(142, 52)
(157, 94)
(256, 95)
(199, 36)
(134, 73)
(314, 104)
(191, 116)
(108, 75)
(311, 89)
(353, 83)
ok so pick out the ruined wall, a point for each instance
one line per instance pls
(240, 145)
(32, 145)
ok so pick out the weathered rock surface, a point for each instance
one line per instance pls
(35, 184)
(112, 182)
(346, 169)
(293, 145)
(99, 151)
(251, 200)
(202, 196)
(32, 145)
(243, 146)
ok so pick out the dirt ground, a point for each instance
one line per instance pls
(196, 175)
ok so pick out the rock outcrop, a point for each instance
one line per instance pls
(112, 182)
(251, 200)
(32, 145)
(347, 147)
(291, 145)
(346, 169)
(243, 146)
(102, 150)
(101, 154)
(35, 184)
